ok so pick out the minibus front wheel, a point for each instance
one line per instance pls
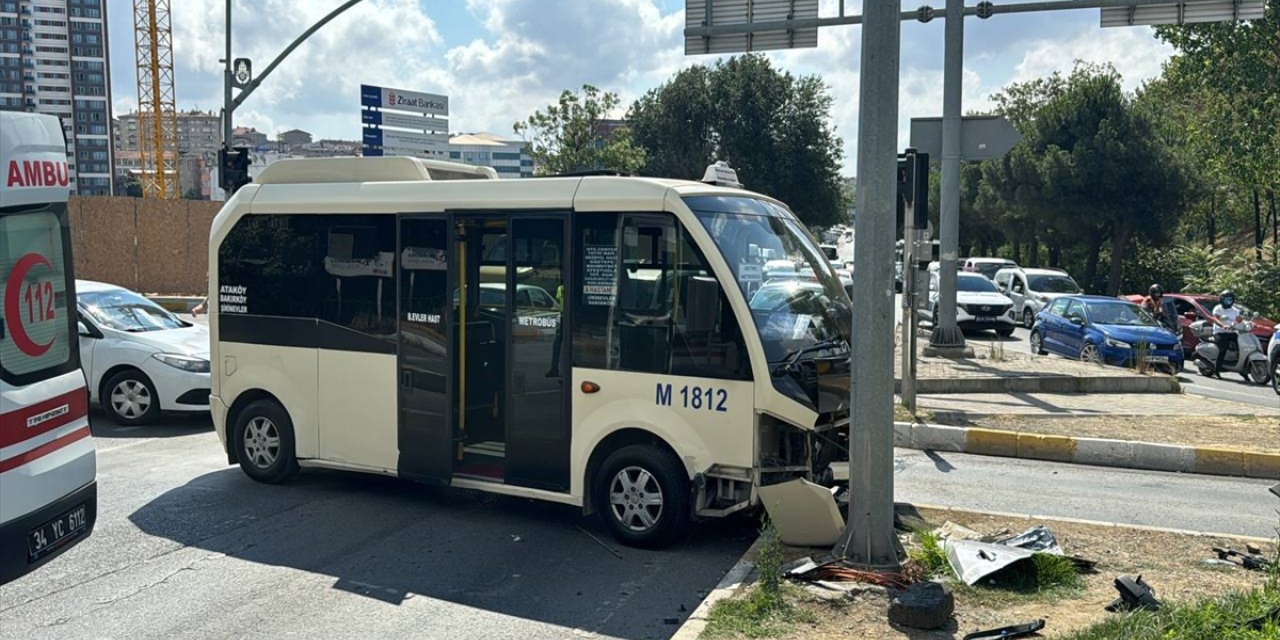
(264, 442)
(643, 494)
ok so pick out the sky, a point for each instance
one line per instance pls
(500, 60)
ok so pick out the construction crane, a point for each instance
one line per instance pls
(157, 115)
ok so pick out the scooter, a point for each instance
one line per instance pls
(1247, 359)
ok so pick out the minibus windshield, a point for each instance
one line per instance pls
(797, 319)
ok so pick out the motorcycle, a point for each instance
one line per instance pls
(1246, 359)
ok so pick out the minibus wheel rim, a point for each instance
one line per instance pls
(262, 442)
(635, 497)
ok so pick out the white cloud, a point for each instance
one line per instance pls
(511, 57)
(1134, 52)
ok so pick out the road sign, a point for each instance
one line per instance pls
(402, 100)
(982, 137)
(404, 140)
(404, 120)
(1182, 12)
(743, 13)
(242, 72)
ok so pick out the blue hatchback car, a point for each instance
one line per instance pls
(1106, 330)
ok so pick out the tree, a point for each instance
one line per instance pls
(570, 136)
(1090, 170)
(1232, 70)
(772, 127)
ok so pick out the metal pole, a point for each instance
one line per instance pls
(869, 538)
(226, 89)
(908, 309)
(946, 338)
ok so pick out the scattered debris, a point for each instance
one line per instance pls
(601, 543)
(1252, 561)
(797, 567)
(805, 513)
(973, 560)
(1253, 548)
(1262, 620)
(682, 609)
(952, 531)
(1276, 489)
(841, 571)
(671, 621)
(1134, 594)
(1014, 631)
(1214, 562)
(925, 605)
(834, 591)
(1038, 538)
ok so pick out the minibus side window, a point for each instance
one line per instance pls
(647, 301)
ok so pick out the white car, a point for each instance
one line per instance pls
(987, 266)
(138, 358)
(979, 304)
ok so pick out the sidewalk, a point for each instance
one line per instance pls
(1000, 370)
(1166, 432)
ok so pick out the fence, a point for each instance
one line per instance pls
(150, 246)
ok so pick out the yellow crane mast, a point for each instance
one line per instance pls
(157, 115)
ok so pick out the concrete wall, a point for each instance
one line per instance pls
(150, 246)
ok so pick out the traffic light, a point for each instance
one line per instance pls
(913, 186)
(233, 169)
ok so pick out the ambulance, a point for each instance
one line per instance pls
(48, 492)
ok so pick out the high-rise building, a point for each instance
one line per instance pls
(199, 132)
(53, 59)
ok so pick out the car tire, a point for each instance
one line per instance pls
(1275, 376)
(264, 442)
(643, 494)
(130, 398)
(1028, 318)
(1089, 353)
(1036, 343)
(1004, 333)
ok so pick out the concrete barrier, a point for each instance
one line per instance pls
(1091, 451)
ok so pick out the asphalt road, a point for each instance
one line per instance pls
(1152, 498)
(188, 547)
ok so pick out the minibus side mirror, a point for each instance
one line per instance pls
(83, 330)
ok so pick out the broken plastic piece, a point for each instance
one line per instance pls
(1134, 594)
(1014, 631)
(973, 560)
(1037, 538)
(1262, 620)
(805, 513)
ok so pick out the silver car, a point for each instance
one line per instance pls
(1031, 289)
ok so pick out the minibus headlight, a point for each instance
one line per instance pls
(186, 363)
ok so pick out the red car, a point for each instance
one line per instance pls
(1193, 307)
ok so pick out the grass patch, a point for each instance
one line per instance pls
(902, 414)
(758, 615)
(929, 555)
(1217, 618)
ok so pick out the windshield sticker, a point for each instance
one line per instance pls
(599, 274)
(233, 299)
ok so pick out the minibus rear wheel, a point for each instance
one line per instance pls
(643, 494)
(264, 442)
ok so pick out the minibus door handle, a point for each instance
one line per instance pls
(406, 378)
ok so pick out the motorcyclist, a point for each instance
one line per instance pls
(1227, 319)
(1161, 307)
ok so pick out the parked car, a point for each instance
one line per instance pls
(1104, 330)
(138, 358)
(1193, 307)
(1031, 289)
(979, 304)
(987, 266)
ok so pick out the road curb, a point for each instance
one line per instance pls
(732, 581)
(1102, 452)
(1046, 384)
